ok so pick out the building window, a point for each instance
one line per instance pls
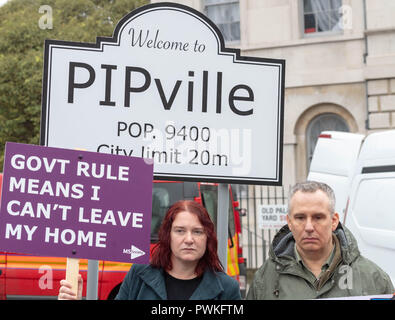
(323, 122)
(226, 15)
(322, 16)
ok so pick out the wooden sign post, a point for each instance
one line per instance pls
(72, 271)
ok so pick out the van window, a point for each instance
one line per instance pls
(369, 208)
(322, 122)
(164, 194)
(160, 204)
(210, 201)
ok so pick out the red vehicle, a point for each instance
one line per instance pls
(23, 276)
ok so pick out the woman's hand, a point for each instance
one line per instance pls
(65, 292)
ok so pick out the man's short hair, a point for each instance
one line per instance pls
(311, 187)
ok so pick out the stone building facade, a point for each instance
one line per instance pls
(336, 77)
(340, 75)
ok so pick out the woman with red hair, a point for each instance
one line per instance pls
(184, 263)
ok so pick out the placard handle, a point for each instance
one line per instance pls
(72, 271)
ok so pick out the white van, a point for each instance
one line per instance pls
(370, 212)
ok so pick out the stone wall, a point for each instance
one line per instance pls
(381, 104)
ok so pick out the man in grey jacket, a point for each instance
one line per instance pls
(314, 256)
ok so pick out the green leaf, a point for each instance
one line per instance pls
(21, 54)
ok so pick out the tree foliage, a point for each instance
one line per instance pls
(21, 54)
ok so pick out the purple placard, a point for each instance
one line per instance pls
(70, 203)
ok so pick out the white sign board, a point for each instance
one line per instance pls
(165, 87)
(272, 216)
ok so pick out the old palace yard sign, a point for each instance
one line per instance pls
(165, 87)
